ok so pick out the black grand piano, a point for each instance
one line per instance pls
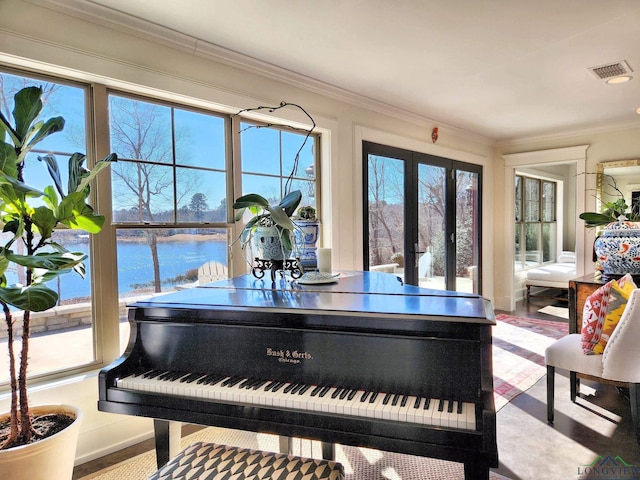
(366, 361)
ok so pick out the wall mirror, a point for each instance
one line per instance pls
(623, 175)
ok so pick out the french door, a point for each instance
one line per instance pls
(423, 215)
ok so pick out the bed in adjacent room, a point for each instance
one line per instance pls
(552, 275)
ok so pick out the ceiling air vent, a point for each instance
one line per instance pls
(610, 70)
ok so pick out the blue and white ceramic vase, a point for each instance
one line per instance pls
(268, 245)
(306, 238)
(618, 249)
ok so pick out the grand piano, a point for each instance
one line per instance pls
(366, 361)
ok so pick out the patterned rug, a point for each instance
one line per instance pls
(518, 353)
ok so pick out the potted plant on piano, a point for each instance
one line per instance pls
(32, 436)
(268, 231)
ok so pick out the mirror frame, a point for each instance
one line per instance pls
(600, 168)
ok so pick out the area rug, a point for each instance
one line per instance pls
(358, 463)
(518, 353)
(561, 312)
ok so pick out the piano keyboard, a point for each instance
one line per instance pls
(315, 398)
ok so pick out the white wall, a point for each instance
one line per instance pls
(39, 38)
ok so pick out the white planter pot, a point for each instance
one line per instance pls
(268, 244)
(48, 459)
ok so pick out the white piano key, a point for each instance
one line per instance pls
(243, 392)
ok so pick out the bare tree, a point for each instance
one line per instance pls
(141, 133)
(385, 217)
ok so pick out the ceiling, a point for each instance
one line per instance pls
(504, 69)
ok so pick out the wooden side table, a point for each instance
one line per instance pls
(579, 289)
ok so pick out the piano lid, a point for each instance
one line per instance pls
(372, 294)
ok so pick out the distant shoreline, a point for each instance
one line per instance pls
(180, 237)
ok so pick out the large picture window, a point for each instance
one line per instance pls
(72, 318)
(535, 221)
(169, 213)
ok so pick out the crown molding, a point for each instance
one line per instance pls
(554, 155)
(568, 134)
(99, 14)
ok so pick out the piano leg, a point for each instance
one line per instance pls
(474, 470)
(286, 446)
(328, 451)
(168, 435)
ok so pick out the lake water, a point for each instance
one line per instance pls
(135, 266)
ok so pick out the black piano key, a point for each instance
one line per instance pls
(450, 407)
(405, 399)
(233, 381)
(278, 386)
(441, 405)
(297, 388)
(386, 399)
(396, 397)
(259, 384)
(316, 390)
(270, 385)
(246, 383)
(324, 391)
(289, 387)
(304, 389)
(336, 392)
(373, 397)
(162, 375)
(364, 396)
(252, 384)
(459, 408)
(152, 373)
(417, 403)
(344, 393)
(352, 394)
(212, 379)
(192, 377)
(170, 376)
(427, 402)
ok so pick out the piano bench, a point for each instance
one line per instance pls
(211, 461)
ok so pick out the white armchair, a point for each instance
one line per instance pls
(620, 361)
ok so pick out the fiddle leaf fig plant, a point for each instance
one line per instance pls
(30, 217)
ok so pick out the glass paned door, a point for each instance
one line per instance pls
(467, 239)
(432, 244)
(386, 209)
(423, 217)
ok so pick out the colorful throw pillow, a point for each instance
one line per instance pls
(618, 297)
(593, 315)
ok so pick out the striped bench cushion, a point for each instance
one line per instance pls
(208, 461)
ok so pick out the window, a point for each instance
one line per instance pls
(72, 319)
(169, 207)
(535, 217)
(169, 191)
(269, 161)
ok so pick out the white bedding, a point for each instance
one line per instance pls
(552, 275)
